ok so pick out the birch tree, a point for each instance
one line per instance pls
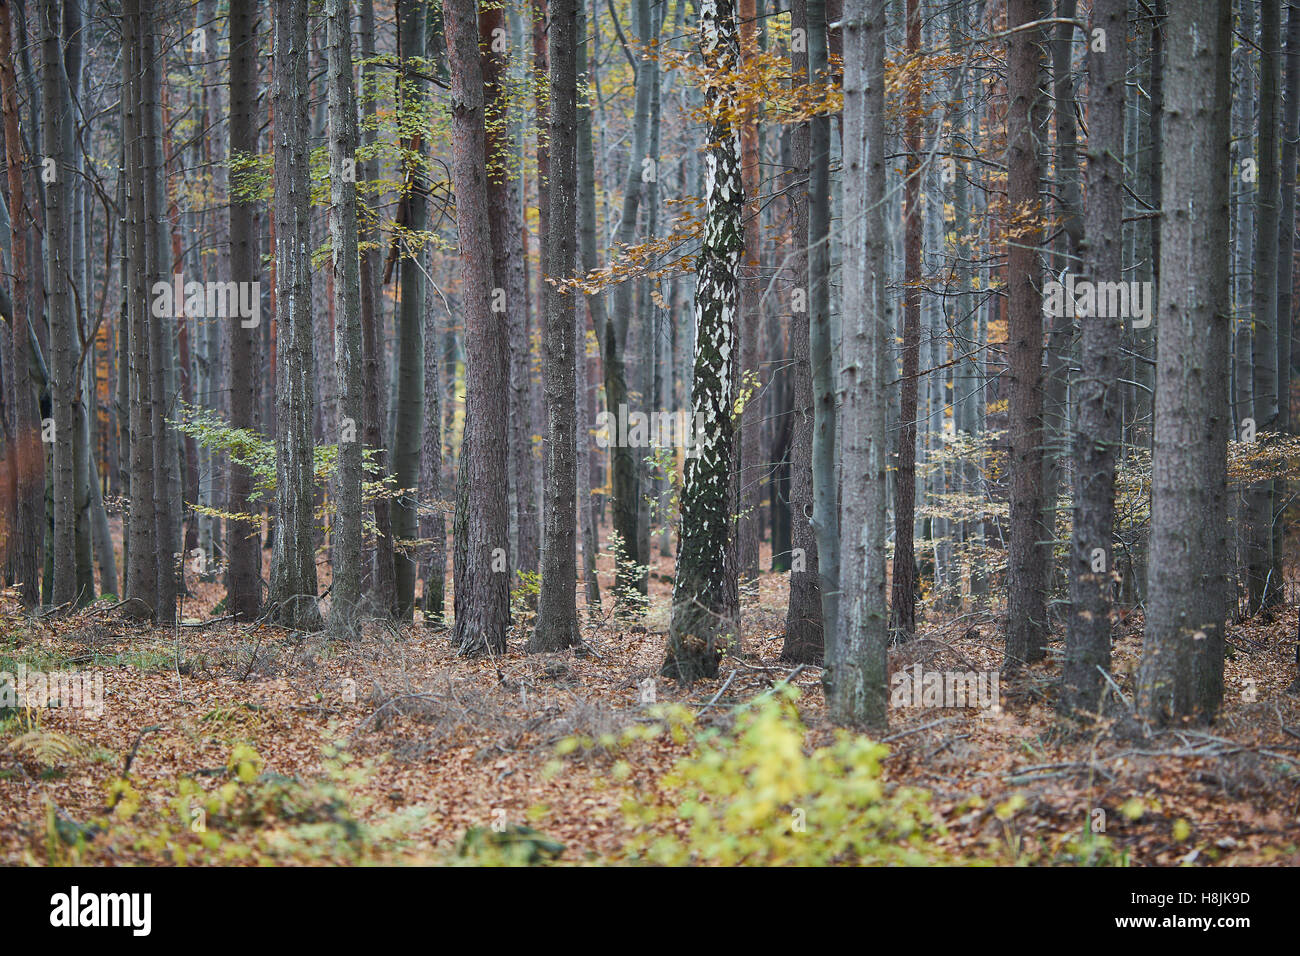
(704, 587)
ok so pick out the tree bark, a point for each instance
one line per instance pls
(346, 537)
(1098, 436)
(482, 575)
(857, 664)
(1029, 549)
(704, 589)
(1181, 675)
(557, 612)
(293, 554)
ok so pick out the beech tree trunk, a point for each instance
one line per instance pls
(856, 679)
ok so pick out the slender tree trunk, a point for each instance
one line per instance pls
(57, 141)
(1098, 431)
(26, 454)
(751, 324)
(903, 610)
(803, 617)
(293, 554)
(1029, 547)
(857, 664)
(825, 496)
(482, 575)
(346, 537)
(142, 545)
(382, 570)
(557, 617)
(244, 574)
(1263, 357)
(704, 590)
(1181, 675)
(595, 304)
(409, 378)
(1285, 278)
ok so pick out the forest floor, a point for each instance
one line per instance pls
(446, 744)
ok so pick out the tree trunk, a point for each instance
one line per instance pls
(803, 616)
(557, 612)
(1263, 353)
(408, 421)
(482, 574)
(1029, 550)
(1098, 431)
(58, 150)
(346, 537)
(903, 606)
(293, 554)
(825, 507)
(1181, 674)
(26, 475)
(244, 575)
(704, 589)
(857, 665)
(382, 583)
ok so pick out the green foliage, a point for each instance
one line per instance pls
(256, 452)
(628, 600)
(250, 815)
(515, 845)
(754, 796)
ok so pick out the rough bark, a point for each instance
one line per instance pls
(1029, 547)
(293, 554)
(704, 588)
(803, 618)
(1098, 430)
(346, 537)
(557, 611)
(1181, 674)
(482, 576)
(243, 576)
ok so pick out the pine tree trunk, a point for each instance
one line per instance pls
(408, 421)
(1098, 432)
(1181, 675)
(1029, 549)
(803, 617)
(482, 574)
(557, 611)
(346, 537)
(382, 583)
(244, 574)
(293, 554)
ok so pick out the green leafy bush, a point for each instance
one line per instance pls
(753, 796)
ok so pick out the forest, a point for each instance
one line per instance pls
(663, 432)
